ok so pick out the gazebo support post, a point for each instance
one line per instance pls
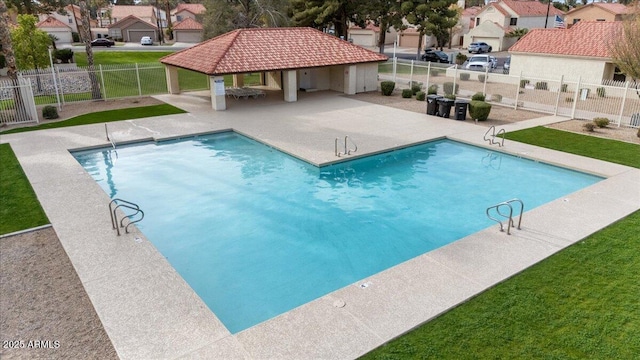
(171, 73)
(218, 101)
(290, 85)
(350, 79)
(238, 80)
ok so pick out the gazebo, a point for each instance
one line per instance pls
(288, 59)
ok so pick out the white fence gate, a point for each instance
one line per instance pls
(17, 104)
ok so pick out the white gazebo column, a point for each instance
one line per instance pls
(171, 73)
(218, 101)
(350, 79)
(289, 85)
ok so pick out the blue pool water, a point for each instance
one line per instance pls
(256, 233)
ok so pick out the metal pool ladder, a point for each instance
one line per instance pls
(347, 151)
(491, 138)
(116, 204)
(503, 205)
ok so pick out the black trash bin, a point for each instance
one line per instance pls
(432, 104)
(444, 107)
(461, 109)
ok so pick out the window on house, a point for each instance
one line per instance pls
(575, 21)
(513, 21)
(477, 21)
(70, 21)
(600, 20)
(179, 17)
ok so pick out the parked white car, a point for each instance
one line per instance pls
(146, 40)
(482, 62)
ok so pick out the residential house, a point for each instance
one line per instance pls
(114, 13)
(132, 29)
(465, 24)
(188, 31)
(598, 12)
(57, 28)
(497, 19)
(184, 11)
(579, 52)
(369, 36)
(71, 17)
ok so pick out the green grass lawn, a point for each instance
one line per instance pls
(581, 303)
(105, 116)
(19, 206)
(608, 150)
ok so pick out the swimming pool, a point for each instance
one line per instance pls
(256, 233)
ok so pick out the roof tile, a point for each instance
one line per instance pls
(52, 22)
(586, 38)
(188, 24)
(268, 49)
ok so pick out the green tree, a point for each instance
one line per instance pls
(324, 14)
(225, 15)
(10, 59)
(31, 7)
(30, 44)
(384, 14)
(432, 17)
(517, 33)
(625, 50)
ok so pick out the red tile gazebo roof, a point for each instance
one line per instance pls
(268, 49)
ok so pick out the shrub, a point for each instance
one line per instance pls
(64, 55)
(461, 58)
(49, 112)
(523, 83)
(481, 77)
(407, 93)
(589, 126)
(478, 96)
(479, 110)
(387, 87)
(564, 87)
(465, 76)
(415, 87)
(433, 89)
(450, 96)
(496, 97)
(449, 89)
(75, 37)
(600, 91)
(541, 85)
(420, 95)
(601, 122)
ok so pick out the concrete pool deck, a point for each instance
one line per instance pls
(148, 311)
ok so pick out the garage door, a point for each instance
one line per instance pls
(188, 36)
(136, 35)
(493, 42)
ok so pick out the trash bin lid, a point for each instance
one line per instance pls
(462, 101)
(448, 101)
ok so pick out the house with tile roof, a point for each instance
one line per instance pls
(188, 31)
(184, 11)
(114, 13)
(57, 28)
(132, 29)
(598, 12)
(497, 19)
(369, 36)
(581, 52)
(288, 59)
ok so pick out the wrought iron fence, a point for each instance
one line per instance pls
(17, 104)
(582, 99)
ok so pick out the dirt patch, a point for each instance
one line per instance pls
(45, 312)
(610, 132)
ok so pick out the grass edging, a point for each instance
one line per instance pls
(614, 151)
(105, 116)
(19, 208)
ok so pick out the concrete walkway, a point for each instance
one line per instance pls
(149, 312)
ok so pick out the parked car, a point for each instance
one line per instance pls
(507, 64)
(481, 63)
(102, 42)
(479, 47)
(435, 56)
(146, 40)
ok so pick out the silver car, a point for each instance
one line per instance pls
(482, 63)
(479, 47)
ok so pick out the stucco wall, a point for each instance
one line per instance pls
(493, 15)
(590, 13)
(531, 22)
(553, 67)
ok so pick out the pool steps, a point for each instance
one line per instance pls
(510, 222)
